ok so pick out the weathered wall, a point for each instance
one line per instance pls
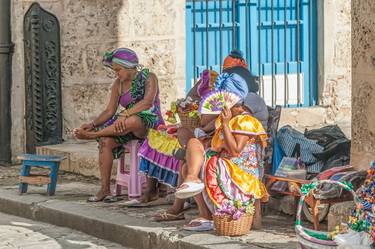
(155, 29)
(334, 46)
(363, 78)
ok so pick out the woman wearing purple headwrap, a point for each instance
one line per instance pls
(133, 108)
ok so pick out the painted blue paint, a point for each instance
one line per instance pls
(257, 53)
(51, 162)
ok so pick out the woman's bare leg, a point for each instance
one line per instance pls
(151, 192)
(133, 124)
(178, 204)
(203, 210)
(194, 159)
(184, 135)
(106, 144)
(257, 223)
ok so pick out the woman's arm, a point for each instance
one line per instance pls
(151, 88)
(234, 143)
(111, 108)
(208, 122)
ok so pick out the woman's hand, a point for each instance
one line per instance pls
(87, 126)
(120, 125)
(226, 115)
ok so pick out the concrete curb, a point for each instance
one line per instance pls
(120, 228)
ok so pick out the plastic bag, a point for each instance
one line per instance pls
(353, 240)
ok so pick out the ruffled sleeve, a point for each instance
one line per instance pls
(243, 124)
(248, 125)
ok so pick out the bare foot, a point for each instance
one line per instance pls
(83, 134)
(99, 196)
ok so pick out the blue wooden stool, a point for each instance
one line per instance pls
(31, 160)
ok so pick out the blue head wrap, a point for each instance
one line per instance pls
(232, 83)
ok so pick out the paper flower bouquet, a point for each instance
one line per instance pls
(234, 218)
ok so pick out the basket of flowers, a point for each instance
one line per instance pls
(234, 218)
(187, 112)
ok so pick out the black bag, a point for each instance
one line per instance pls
(325, 135)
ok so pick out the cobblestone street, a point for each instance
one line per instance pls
(73, 190)
(16, 232)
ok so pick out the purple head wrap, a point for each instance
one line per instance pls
(122, 56)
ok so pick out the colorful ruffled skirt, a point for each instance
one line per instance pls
(156, 157)
(224, 180)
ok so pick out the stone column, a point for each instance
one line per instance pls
(363, 83)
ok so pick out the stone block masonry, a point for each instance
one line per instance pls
(155, 29)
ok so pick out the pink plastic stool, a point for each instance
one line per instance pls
(131, 179)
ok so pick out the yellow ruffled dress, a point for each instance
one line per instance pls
(229, 177)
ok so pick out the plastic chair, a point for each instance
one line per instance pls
(131, 178)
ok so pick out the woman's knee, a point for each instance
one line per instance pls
(106, 143)
(134, 123)
(195, 144)
(184, 135)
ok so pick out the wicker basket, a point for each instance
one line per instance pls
(226, 226)
(311, 239)
(187, 121)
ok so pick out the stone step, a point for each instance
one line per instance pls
(81, 157)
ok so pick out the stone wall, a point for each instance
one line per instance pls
(334, 46)
(363, 78)
(155, 29)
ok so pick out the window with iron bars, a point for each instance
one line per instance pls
(277, 37)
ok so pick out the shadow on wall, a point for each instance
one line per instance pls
(88, 29)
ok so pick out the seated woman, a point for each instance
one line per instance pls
(225, 81)
(134, 96)
(235, 156)
(235, 63)
(157, 153)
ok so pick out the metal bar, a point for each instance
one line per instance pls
(194, 46)
(298, 55)
(206, 34)
(233, 24)
(310, 54)
(247, 30)
(220, 34)
(6, 51)
(286, 87)
(260, 74)
(273, 59)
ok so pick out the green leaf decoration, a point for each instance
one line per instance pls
(305, 189)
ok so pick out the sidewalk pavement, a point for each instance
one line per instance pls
(130, 227)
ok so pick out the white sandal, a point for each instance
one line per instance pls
(192, 189)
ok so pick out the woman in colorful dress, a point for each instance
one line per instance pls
(229, 170)
(132, 110)
(157, 153)
(225, 81)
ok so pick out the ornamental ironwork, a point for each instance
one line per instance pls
(42, 78)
